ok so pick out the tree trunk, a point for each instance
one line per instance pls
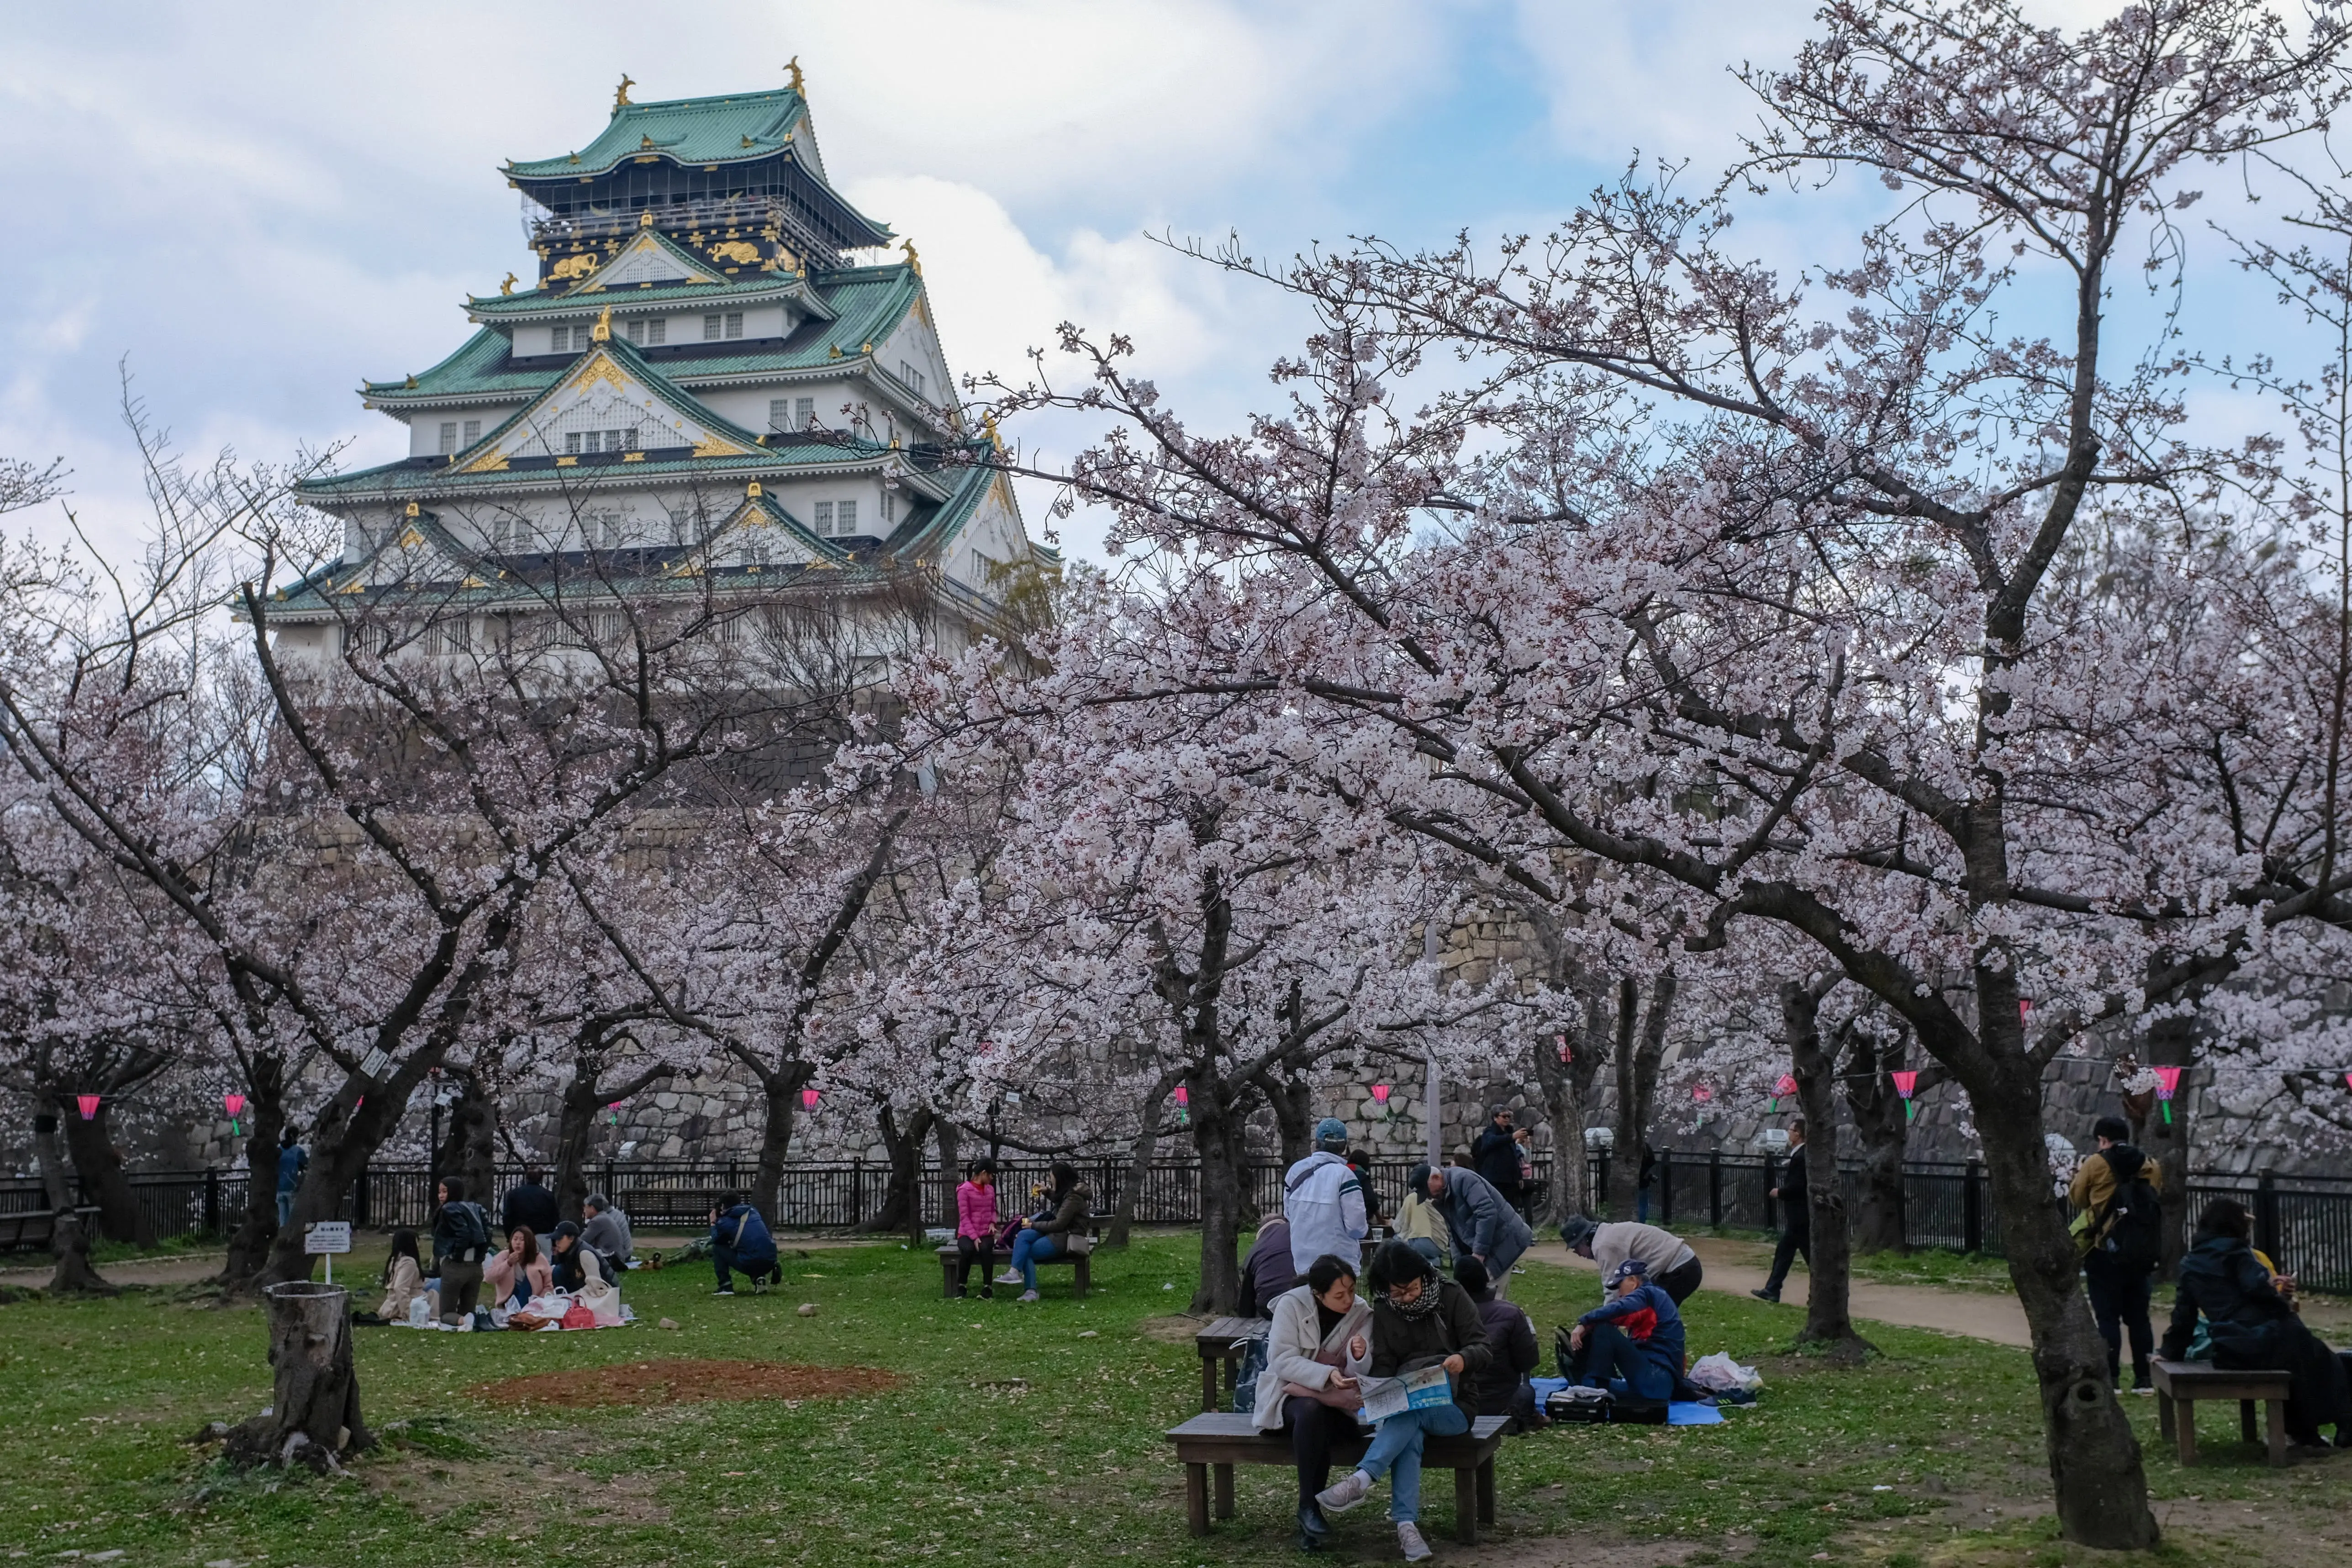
(2095, 1459)
(1293, 1101)
(781, 1087)
(575, 1131)
(469, 1144)
(1217, 1135)
(1880, 1122)
(315, 1418)
(69, 1243)
(902, 1198)
(100, 1165)
(1138, 1166)
(949, 1136)
(1828, 1314)
(1639, 1051)
(2172, 1043)
(1566, 1090)
(249, 1244)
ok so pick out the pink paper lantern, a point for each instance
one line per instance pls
(1787, 1085)
(1701, 1093)
(2348, 1079)
(2024, 1005)
(1905, 1082)
(1379, 1094)
(1183, 1095)
(234, 1104)
(89, 1103)
(2166, 1080)
(1561, 1041)
(809, 1097)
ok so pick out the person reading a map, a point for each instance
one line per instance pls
(1428, 1345)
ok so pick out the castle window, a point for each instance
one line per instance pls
(560, 337)
(648, 332)
(473, 431)
(780, 413)
(846, 514)
(734, 324)
(710, 328)
(804, 413)
(911, 376)
(825, 520)
(449, 437)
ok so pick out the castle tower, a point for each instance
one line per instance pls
(702, 381)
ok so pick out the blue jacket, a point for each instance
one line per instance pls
(741, 1229)
(291, 1161)
(1648, 1316)
(1481, 1221)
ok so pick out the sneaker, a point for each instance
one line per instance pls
(1772, 1296)
(1028, 1295)
(1009, 1276)
(1416, 1550)
(724, 1290)
(1342, 1496)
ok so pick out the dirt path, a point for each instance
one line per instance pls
(1739, 1266)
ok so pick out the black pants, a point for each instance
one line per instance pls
(460, 1284)
(2120, 1298)
(1682, 1281)
(1314, 1426)
(1797, 1238)
(982, 1252)
(758, 1270)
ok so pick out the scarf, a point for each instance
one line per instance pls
(1421, 1306)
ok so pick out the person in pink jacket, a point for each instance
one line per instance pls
(976, 1228)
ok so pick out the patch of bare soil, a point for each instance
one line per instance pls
(1586, 1548)
(690, 1382)
(1176, 1329)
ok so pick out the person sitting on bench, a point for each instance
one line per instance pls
(1268, 1270)
(2253, 1327)
(1072, 1202)
(1631, 1345)
(1418, 1319)
(1316, 1351)
(1503, 1389)
(740, 1242)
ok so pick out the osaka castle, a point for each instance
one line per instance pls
(722, 380)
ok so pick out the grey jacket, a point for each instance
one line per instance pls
(608, 1233)
(1483, 1225)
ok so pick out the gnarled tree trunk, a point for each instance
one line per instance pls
(1828, 1315)
(1641, 1046)
(469, 1143)
(1881, 1120)
(69, 1243)
(249, 1243)
(1139, 1165)
(585, 1094)
(781, 1088)
(902, 1198)
(98, 1163)
(1218, 1136)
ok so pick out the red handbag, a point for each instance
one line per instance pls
(578, 1316)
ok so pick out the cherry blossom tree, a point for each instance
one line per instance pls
(1772, 602)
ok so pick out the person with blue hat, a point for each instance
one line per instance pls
(1323, 1199)
(1631, 1345)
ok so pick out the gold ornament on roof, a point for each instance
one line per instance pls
(412, 509)
(410, 382)
(738, 250)
(574, 267)
(646, 219)
(987, 423)
(751, 490)
(508, 287)
(914, 262)
(621, 93)
(601, 333)
(794, 67)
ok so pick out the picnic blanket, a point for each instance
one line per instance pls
(1681, 1413)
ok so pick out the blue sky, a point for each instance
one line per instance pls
(259, 205)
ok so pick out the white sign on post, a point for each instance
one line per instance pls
(372, 1064)
(329, 1237)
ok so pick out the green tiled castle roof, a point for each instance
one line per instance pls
(868, 302)
(730, 130)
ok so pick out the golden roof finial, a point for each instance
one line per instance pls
(793, 66)
(601, 333)
(987, 423)
(914, 262)
(646, 218)
(621, 93)
(508, 287)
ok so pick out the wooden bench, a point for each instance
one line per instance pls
(36, 1229)
(1081, 1279)
(1223, 1343)
(2181, 1383)
(1219, 1442)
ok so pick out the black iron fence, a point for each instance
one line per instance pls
(2304, 1223)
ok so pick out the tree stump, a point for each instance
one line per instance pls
(315, 1420)
(70, 1245)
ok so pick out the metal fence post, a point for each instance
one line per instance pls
(1715, 1186)
(1972, 1208)
(1771, 1211)
(2266, 1217)
(1665, 1186)
(359, 1205)
(212, 1202)
(1600, 1182)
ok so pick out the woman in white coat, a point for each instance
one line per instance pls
(1316, 1352)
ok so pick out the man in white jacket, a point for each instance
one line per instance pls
(1324, 1202)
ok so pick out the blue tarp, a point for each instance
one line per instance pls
(1681, 1413)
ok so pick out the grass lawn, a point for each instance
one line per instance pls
(1019, 1435)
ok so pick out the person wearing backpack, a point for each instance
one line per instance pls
(740, 1242)
(461, 1241)
(2116, 1192)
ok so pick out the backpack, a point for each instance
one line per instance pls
(473, 1234)
(2132, 1226)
